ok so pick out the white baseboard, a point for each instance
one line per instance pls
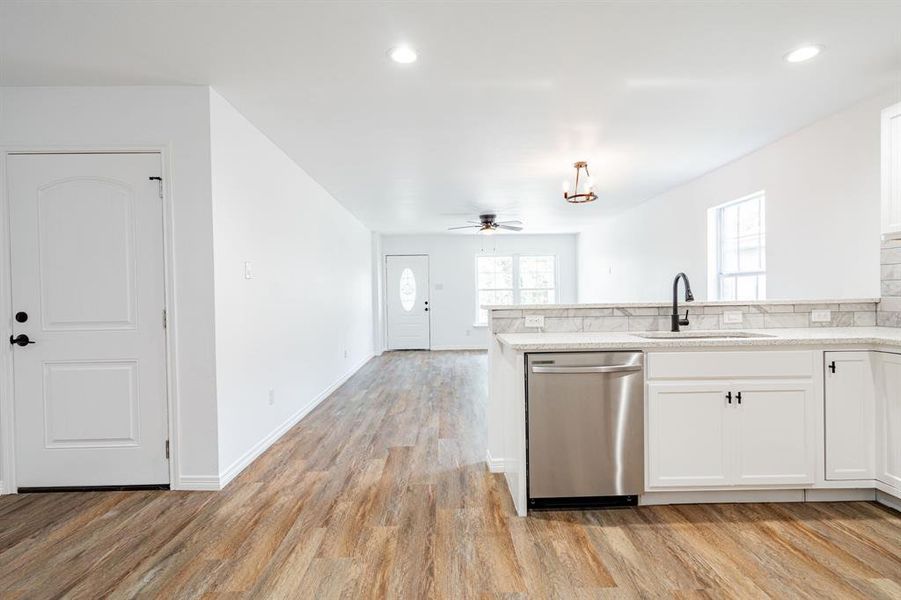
(495, 465)
(888, 499)
(728, 497)
(198, 483)
(840, 495)
(461, 347)
(251, 455)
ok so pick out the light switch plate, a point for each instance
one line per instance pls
(733, 317)
(535, 321)
(248, 270)
(821, 316)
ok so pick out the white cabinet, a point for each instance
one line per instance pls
(773, 433)
(850, 419)
(688, 444)
(891, 171)
(887, 369)
(730, 433)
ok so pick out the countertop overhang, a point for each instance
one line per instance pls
(613, 340)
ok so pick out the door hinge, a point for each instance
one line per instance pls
(159, 180)
(165, 319)
(167, 449)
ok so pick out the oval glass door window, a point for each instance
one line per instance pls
(407, 289)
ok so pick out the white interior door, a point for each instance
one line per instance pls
(407, 302)
(87, 270)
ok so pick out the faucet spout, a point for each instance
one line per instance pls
(678, 322)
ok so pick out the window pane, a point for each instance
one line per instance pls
(495, 297)
(749, 217)
(746, 288)
(749, 254)
(407, 289)
(727, 288)
(495, 272)
(536, 272)
(536, 296)
(729, 256)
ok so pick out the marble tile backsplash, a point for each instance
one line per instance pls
(889, 310)
(702, 316)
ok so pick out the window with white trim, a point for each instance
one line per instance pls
(516, 279)
(739, 258)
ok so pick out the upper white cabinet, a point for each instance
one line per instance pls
(887, 368)
(850, 421)
(891, 171)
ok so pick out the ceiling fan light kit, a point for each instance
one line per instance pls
(582, 194)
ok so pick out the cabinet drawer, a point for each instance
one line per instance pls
(732, 365)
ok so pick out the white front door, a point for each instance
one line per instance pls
(407, 302)
(86, 241)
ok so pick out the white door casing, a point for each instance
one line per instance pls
(850, 416)
(86, 254)
(407, 302)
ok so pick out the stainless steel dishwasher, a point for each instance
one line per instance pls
(585, 429)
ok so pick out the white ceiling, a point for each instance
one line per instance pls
(505, 96)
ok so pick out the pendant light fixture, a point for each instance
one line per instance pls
(582, 189)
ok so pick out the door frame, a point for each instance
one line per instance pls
(7, 400)
(385, 293)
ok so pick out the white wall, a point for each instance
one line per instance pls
(304, 322)
(822, 205)
(453, 279)
(84, 118)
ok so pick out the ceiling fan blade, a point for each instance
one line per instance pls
(464, 227)
(508, 227)
(514, 222)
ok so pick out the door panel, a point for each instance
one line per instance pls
(774, 433)
(687, 434)
(407, 302)
(888, 418)
(850, 430)
(87, 268)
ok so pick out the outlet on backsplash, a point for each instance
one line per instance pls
(820, 316)
(733, 317)
(535, 321)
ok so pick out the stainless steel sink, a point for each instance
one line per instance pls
(697, 335)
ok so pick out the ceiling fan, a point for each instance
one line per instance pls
(487, 223)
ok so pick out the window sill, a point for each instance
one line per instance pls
(480, 325)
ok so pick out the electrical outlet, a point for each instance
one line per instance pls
(535, 321)
(248, 270)
(271, 397)
(345, 354)
(821, 316)
(733, 317)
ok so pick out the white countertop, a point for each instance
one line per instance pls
(621, 340)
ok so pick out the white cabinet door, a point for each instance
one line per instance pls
(773, 433)
(687, 434)
(850, 430)
(891, 171)
(888, 417)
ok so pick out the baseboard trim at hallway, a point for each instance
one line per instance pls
(197, 483)
(435, 348)
(495, 465)
(257, 449)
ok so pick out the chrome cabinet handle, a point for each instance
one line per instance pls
(598, 369)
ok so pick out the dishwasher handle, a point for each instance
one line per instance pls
(595, 369)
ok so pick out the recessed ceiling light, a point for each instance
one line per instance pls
(803, 53)
(402, 54)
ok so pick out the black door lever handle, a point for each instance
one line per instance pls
(20, 340)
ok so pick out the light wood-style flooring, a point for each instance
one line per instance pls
(382, 491)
